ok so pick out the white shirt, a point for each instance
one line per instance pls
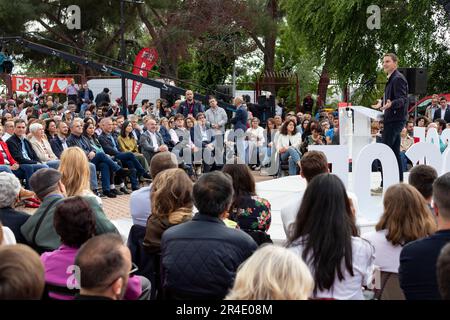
(350, 288)
(8, 236)
(443, 113)
(387, 256)
(6, 136)
(140, 205)
(256, 136)
(154, 140)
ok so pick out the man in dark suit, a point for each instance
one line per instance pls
(190, 106)
(395, 106)
(111, 146)
(85, 96)
(22, 151)
(443, 112)
(417, 272)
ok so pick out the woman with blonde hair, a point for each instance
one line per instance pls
(406, 218)
(75, 173)
(272, 273)
(172, 204)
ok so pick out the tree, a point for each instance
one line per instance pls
(337, 32)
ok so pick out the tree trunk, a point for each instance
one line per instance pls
(270, 44)
(324, 81)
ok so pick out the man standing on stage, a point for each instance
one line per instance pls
(395, 107)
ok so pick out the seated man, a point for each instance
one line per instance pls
(199, 258)
(22, 152)
(111, 146)
(105, 266)
(21, 273)
(102, 162)
(59, 144)
(151, 141)
(418, 259)
(39, 230)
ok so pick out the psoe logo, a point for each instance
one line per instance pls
(74, 17)
(374, 21)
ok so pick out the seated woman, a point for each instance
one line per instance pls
(50, 129)
(315, 138)
(74, 222)
(167, 133)
(406, 218)
(171, 200)
(341, 264)
(288, 146)
(251, 212)
(9, 194)
(89, 132)
(272, 273)
(42, 147)
(127, 143)
(255, 139)
(75, 174)
(269, 135)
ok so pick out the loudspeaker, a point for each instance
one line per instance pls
(446, 4)
(169, 96)
(417, 79)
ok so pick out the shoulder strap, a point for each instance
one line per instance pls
(41, 219)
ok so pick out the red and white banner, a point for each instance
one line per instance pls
(51, 85)
(144, 62)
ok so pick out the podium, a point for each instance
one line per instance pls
(354, 127)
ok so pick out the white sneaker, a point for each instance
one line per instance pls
(377, 191)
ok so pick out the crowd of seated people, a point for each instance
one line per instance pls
(183, 215)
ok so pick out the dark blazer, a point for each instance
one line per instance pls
(57, 147)
(396, 90)
(15, 148)
(138, 134)
(199, 258)
(107, 144)
(81, 95)
(240, 119)
(102, 97)
(417, 272)
(437, 114)
(185, 108)
(81, 141)
(14, 220)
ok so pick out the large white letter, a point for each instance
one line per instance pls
(362, 170)
(338, 157)
(425, 153)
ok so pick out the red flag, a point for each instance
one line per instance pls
(144, 62)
